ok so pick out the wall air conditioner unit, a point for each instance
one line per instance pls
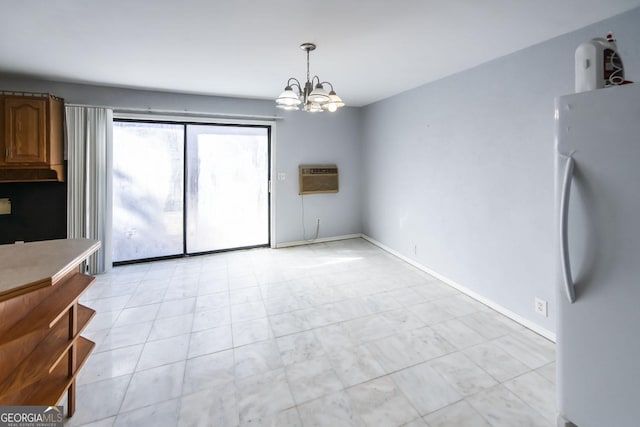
(316, 179)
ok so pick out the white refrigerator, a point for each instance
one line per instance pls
(598, 239)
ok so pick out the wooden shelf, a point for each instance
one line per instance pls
(41, 349)
(43, 360)
(85, 314)
(58, 382)
(47, 313)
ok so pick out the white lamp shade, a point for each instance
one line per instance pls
(313, 107)
(318, 95)
(333, 98)
(288, 98)
(288, 107)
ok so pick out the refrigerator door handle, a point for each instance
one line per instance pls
(564, 232)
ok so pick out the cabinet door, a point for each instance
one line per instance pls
(25, 130)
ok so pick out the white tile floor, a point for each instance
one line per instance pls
(331, 334)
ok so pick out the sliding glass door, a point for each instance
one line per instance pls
(148, 190)
(188, 188)
(227, 187)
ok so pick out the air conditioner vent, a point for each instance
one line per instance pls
(316, 179)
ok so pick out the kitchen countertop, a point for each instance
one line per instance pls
(25, 267)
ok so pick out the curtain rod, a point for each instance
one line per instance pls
(178, 112)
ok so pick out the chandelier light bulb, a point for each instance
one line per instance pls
(334, 102)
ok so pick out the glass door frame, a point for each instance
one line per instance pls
(269, 125)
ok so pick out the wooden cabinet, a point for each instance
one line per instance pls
(41, 320)
(32, 139)
(25, 130)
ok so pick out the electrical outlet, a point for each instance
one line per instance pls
(541, 307)
(5, 207)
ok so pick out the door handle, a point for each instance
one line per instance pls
(564, 231)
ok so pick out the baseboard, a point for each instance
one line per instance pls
(319, 240)
(500, 309)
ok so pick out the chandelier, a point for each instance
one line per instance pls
(314, 98)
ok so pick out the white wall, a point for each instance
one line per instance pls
(462, 169)
(299, 138)
(305, 138)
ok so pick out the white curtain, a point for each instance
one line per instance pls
(89, 162)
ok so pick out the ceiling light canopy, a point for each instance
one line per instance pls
(313, 96)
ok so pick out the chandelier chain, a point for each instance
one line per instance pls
(308, 65)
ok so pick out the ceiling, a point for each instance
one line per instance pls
(368, 49)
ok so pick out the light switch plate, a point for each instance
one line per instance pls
(5, 207)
